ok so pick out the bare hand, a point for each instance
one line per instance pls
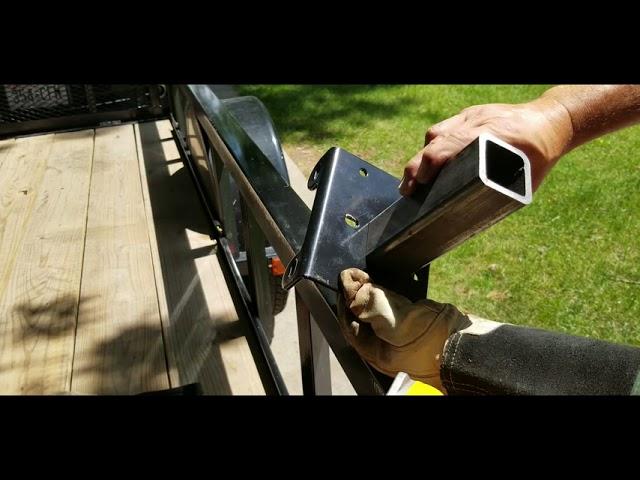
(541, 129)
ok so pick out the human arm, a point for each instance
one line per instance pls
(561, 119)
(460, 353)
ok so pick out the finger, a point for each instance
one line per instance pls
(362, 301)
(367, 301)
(364, 341)
(388, 313)
(444, 127)
(409, 180)
(436, 154)
(359, 335)
(407, 185)
(351, 280)
(424, 166)
(371, 303)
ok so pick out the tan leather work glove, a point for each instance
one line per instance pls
(392, 333)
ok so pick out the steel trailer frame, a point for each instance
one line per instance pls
(487, 181)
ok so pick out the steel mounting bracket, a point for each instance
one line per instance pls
(359, 219)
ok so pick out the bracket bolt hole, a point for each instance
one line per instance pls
(292, 268)
(363, 172)
(351, 220)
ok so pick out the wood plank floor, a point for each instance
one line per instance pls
(109, 282)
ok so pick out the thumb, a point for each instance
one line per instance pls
(352, 280)
(361, 337)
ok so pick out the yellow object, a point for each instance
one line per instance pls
(419, 388)
(405, 385)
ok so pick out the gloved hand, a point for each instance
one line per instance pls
(392, 333)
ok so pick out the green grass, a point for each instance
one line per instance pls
(568, 262)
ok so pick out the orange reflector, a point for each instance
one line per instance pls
(277, 268)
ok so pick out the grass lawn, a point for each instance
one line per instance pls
(569, 262)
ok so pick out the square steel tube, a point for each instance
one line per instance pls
(486, 182)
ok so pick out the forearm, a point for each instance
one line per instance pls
(595, 110)
(545, 129)
(514, 360)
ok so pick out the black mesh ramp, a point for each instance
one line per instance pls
(28, 109)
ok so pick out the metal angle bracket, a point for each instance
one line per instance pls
(351, 193)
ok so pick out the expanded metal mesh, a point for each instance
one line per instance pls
(23, 103)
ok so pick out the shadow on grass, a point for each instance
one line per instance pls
(313, 113)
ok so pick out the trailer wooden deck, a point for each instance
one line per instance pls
(109, 282)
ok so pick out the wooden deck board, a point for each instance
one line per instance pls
(202, 333)
(119, 345)
(43, 237)
(5, 147)
(109, 282)
(21, 173)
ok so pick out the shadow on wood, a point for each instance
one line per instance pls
(197, 324)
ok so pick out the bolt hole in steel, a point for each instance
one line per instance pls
(292, 268)
(351, 221)
(363, 172)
